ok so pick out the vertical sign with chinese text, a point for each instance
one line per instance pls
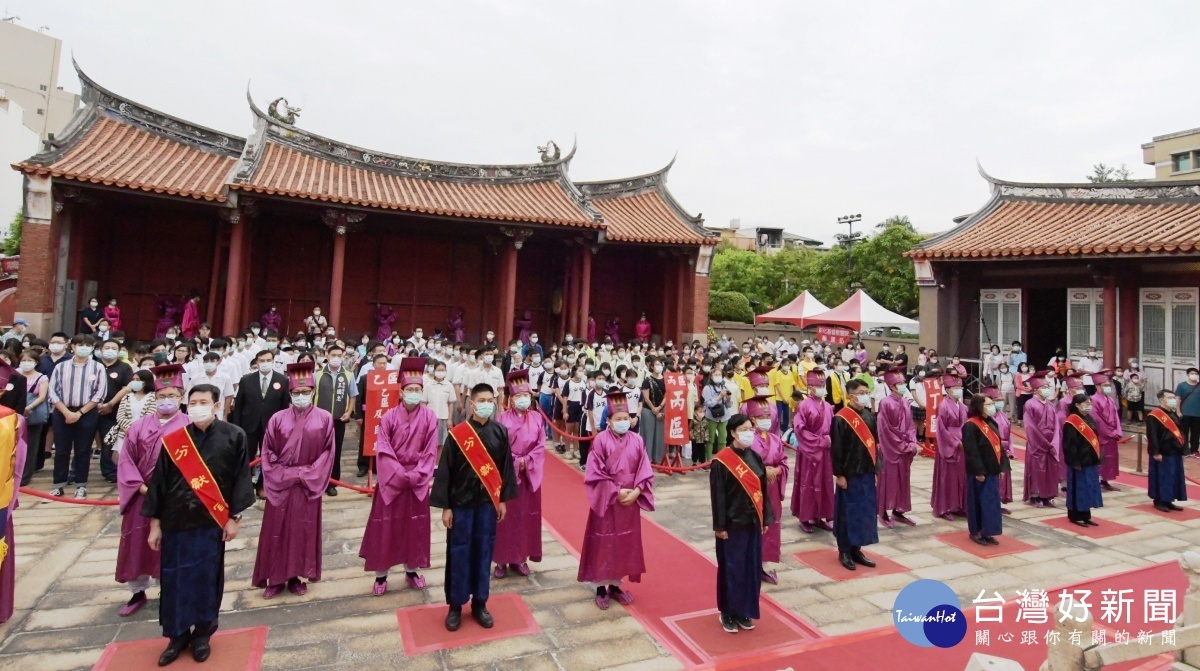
(383, 392)
(676, 415)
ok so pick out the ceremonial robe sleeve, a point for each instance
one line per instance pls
(973, 442)
(508, 474)
(242, 491)
(439, 496)
(717, 486)
(840, 436)
(418, 478)
(156, 489)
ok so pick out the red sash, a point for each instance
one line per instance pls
(745, 476)
(860, 429)
(187, 459)
(989, 434)
(1085, 431)
(1167, 422)
(481, 462)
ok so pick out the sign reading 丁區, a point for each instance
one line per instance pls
(676, 430)
(933, 396)
(834, 335)
(383, 390)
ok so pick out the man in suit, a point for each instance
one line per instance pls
(260, 395)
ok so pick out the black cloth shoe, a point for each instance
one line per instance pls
(1162, 507)
(847, 562)
(331, 490)
(860, 558)
(362, 473)
(991, 540)
(728, 624)
(980, 540)
(454, 619)
(480, 612)
(200, 648)
(174, 647)
(1174, 507)
(744, 622)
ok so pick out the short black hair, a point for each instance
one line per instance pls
(854, 385)
(83, 339)
(211, 356)
(258, 357)
(1162, 392)
(202, 388)
(480, 388)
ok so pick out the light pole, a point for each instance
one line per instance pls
(849, 239)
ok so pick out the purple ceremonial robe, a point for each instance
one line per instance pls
(191, 320)
(139, 453)
(897, 447)
(8, 569)
(406, 453)
(612, 541)
(745, 410)
(1108, 429)
(949, 466)
(770, 448)
(1062, 409)
(519, 534)
(1006, 445)
(297, 460)
(1041, 449)
(812, 490)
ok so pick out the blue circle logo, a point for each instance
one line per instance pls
(928, 614)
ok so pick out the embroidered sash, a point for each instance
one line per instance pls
(1085, 431)
(860, 429)
(183, 452)
(744, 475)
(1167, 423)
(481, 462)
(989, 434)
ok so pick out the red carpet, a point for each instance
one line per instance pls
(826, 563)
(883, 648)
(1105, 529)
(1188, 513)
(962, 541)
(233, 650)
(423, 628)
(676, 597)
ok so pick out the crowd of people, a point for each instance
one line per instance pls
(179, 421)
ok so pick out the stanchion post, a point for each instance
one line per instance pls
(1139, 459)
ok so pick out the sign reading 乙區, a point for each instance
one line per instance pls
(383, 390)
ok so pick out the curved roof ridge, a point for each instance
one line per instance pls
(1132, 184)
(631, 186)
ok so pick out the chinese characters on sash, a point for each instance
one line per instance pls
(383, 392)
(1086, 431)
(987, 432)
(187, 459)
(481, 462)
(729, 459)
(676, 414)
(860, 429)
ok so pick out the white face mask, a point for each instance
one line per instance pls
(746, 438)
(136, 385)
(57, 348)
(1047, 392)
(439, 375)
(83, 351)
(956, 392)
(27, 366)
(819, 392)
(658, 368)
(1172, 403)
(210, 366)
(763, 423)
(864, 400)
(990, 409)
(1107, 389)
(335, 361)
(301, 401)
(200, 413)
(522, 402)
(620, 427)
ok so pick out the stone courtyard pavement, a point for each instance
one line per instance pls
(67, 600)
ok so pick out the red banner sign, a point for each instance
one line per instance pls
(676, 410)
(10, 264)
(834, 335)
(383, 392)
(933, 397)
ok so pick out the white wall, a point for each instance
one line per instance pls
(17, 143)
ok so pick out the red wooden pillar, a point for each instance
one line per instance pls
(508, 300)
(215, 279)
(1110, 322)
(681, 278)
(339, 271)
(233, 279)
(572, 303)
(585, 290)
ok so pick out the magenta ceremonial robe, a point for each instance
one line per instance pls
(745, 410)
(1005, 431)
(1109, 431)
(1062, 409)
(612, 541)
(1042, 448)
(8, 569)
(519, 534)
(813, 489)
(139, 453)
(770, 448)
(641, 330)
(406, 454)
(950, 466)
(297, 460)
(897, 447)
(191, 320)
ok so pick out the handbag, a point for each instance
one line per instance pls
(40, 414)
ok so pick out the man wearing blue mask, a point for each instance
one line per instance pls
(473, 480)
(405, 453)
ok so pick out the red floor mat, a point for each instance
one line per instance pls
(827, 564)
(679, 583)
(1188, 513)
(962, 541)
(423, 628)
(702, 632)
(233, 650)
(1105, 529)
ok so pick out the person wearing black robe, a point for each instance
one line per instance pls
(985, 463)
(1167, 481)
(468, 513)
(854, 469)
(182, 528)
(739, 530)
(1083, 465)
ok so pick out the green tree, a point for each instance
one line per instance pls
(11, 244)
(729, 306)
(1107, 173)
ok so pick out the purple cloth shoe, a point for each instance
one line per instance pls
(602, 601)
(887, 522)
(380, 588)
(417, 582)
(298, 588)
(272, 591)
(622, 597)
(770, 577)
(500, 571)
(899, 517)
(132, 607)
(522, 568)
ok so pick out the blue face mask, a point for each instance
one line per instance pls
(484, 409)
(522, 402)
(413, 397)
(620, 427)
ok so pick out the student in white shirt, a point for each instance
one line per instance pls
(441, 398)
(210, 374)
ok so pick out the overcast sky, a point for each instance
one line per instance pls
(782, 113)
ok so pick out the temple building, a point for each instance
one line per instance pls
(1113, 265)
(137, 205)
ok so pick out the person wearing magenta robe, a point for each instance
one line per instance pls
(8, 567)
(812, 489)
(641, 329)
(1042, 443)
(769, 447)
(760, 380)
(620, 484)
(1083, 460)
(137, 564)
(1004, 428)
(191, 317)
(853, 450)
(519, 535)
(1107, 416)
(271, 320)
(897, 448)
(591, 329)
(949, 470)
(738, 526)
(297, 460)
(405, 453)
(985, 461)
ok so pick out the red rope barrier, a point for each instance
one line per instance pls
(679, 469)
(564, 434)
(63, 499)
